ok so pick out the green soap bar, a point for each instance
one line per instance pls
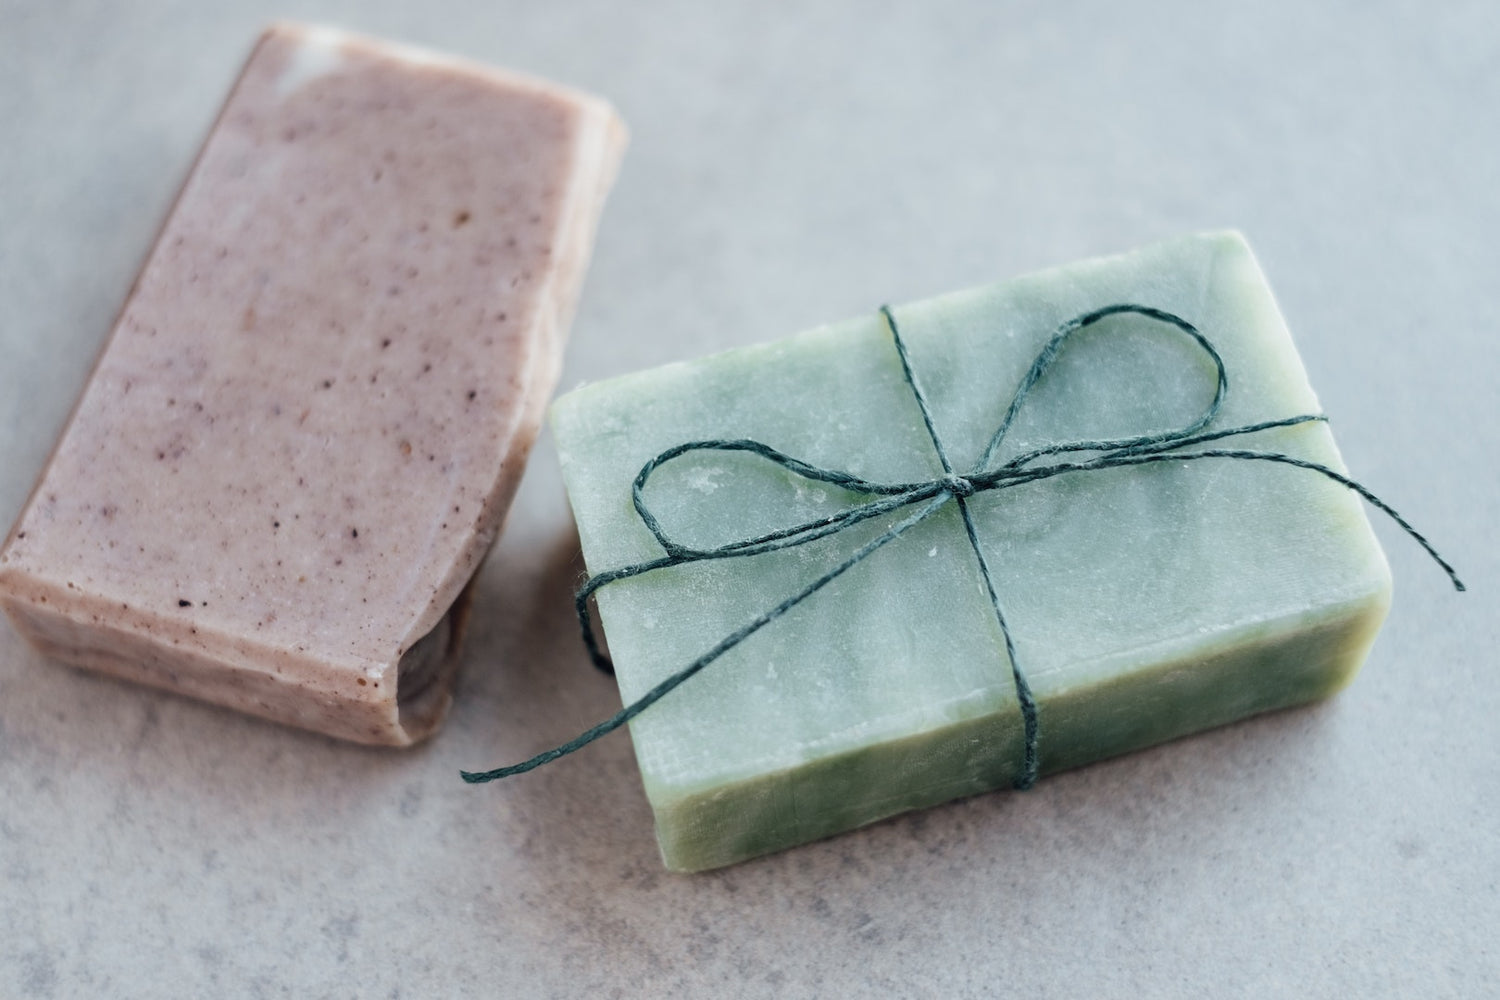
(1145, 602)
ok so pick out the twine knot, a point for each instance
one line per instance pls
(959, 486)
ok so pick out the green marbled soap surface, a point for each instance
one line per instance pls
(1145, 603)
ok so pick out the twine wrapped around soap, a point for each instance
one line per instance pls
(929, 497)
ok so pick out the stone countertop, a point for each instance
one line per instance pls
(790, 168)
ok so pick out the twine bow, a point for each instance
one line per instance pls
(928, 497)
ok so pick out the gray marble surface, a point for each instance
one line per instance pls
(794, 164)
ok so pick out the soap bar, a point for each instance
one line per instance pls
(303, 433)
(1145, 602)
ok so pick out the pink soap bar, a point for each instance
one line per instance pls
(305, 429)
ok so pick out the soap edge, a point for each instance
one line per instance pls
(579, 396)
(601, 131)
(1357, 621)
(422, 56)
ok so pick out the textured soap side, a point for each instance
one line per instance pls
(702, 828)
(303, 433)
(734, 766)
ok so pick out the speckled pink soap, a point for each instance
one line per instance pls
(304, 432)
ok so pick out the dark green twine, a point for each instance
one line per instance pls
(928, 498)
